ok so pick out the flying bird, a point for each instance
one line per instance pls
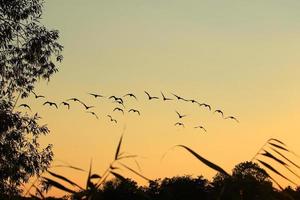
(116, 98)
(219, 111)
(119, 109)
(194, 101)
(65, 104)
(150, 97)
(179, 124)
(93, 113)
(95, 95)
(201, 127)
(25, 106)
(232, 117)
(135, 111)
(74, 99)
(165, 98)
(86, 107)
(119, 102)
(179, 115)
(179, 98)
(130, 95)
(205, 105)
(50, 104)
(37, 96)
(111, 119)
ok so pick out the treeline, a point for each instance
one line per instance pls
(248, 182)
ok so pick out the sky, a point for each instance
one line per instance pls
(239, 56)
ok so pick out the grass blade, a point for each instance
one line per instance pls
(285, 158)
(118, 148)
(39, 192)
(274, 181)
(279, 161)
(274, 170)
(118, 176)
(69, 166)
(95, 176)
(57, 185)
(88, 181)
(128, 156)
(64, 179)
(132, 170)
(276, 140)
(278, 146)
(269, 155)
(206, 162)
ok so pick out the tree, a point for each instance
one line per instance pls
(27, 51)
(248, 181)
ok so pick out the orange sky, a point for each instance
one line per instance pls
(241, 57)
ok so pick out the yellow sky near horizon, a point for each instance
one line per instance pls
(241, 57)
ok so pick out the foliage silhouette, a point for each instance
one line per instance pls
(27, 49)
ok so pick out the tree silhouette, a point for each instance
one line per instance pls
(27, 49)
(248, 181)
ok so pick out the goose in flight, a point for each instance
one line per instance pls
(37, 96)
(219, 111)
(179, 124)
(179, 115)
(150, 97)
(178, 97)
(50, 104)
(86, 107)
(165, 98)
(93, 113)
(194, 101)
(65, 104)
(130, 95)
(205, 105)
(95, 95)
(201, 127)
(74, 99)
(119, 102)
(232, 117)
(25, 106)
(116, 98)
(119, 109)
(111, 119)
(135, 111)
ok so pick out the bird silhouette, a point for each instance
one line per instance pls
(85, 106)
(111, 119)
(37, 96)
(74, 99)
(179, 115)
(205, 105)
(150, 97)
(130, 95)
(201, 127)
(93, 113)
(232, 117)
(219, 111)
(65, 104)
(165, 98)
(135, 111)
(194, 101)
(116, 98)
(119, 109)
(95, 95)
(179, 98)
(119, 102)
(51, 104)
(179, 124)
(25, 106)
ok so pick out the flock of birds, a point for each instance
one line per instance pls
(120, 107)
